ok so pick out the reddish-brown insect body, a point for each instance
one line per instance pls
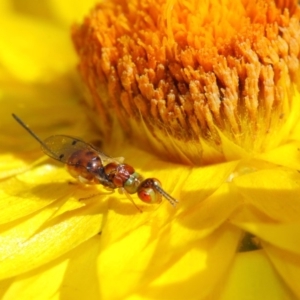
(85, 165)
(89, 165)
(118, 174)
(123, 176)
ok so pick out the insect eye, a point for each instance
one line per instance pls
(148, 193)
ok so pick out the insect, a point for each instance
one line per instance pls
(89, 165)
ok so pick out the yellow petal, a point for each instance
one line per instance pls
(252, 276)
(282, 235)
(193, 269)
(286, 155)
(208, 215)
(27, 55)
(287, 265)
(73, 275)
(41, 283)
(231, 150)
(22, 251)
(5, 6)
(70, 11)
(30, 102)
(272, 191)
(32, 191)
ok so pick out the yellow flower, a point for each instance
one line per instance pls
(171, 85)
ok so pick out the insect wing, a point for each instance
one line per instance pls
(61, 147)
(105, 158)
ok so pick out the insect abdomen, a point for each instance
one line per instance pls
(84, 165)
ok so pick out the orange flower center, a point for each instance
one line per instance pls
(179, 75)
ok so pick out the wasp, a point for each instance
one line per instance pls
(89, 165)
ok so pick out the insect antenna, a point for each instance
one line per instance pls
(26, 127)
(159, 189)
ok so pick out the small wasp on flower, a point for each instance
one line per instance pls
(89, 165)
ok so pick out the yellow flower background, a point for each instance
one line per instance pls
(55, 246)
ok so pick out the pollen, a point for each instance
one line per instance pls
(182, 77)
